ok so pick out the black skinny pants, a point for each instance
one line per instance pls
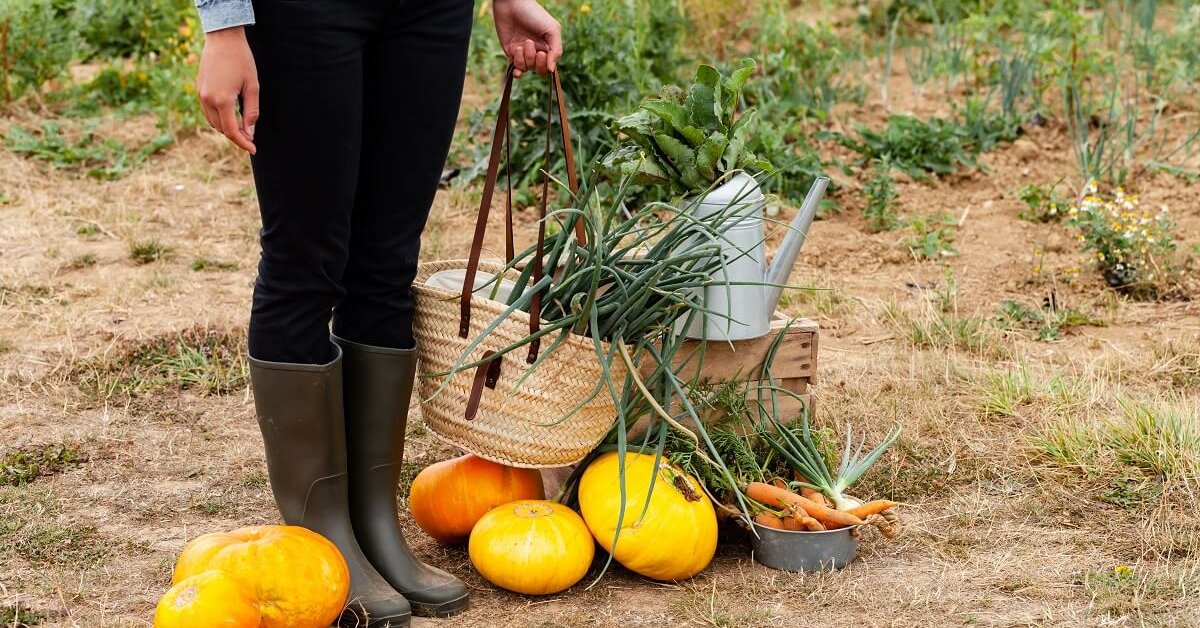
(358, 100)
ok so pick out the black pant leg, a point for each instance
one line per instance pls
(413, 73)
(309, 56)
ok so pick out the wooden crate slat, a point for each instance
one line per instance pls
(742, 359)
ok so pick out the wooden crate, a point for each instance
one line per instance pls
(794, 368)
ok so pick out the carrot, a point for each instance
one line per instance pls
(792, 523)
(870, 508)
(768, 520)
(779, 483)
(816, 496)
(812, 525)
(775, 496)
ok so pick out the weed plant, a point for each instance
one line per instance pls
(1132, 246)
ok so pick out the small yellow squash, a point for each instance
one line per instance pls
(533, 547)
(676, 537)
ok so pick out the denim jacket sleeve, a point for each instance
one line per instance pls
(218, 14)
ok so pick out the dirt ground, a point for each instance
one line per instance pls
(998, 533)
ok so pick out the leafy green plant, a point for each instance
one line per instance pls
(35, 45)
(135, 28)
(104, 159)
(916, 147)
(932, 236)
(687, 139)
(802, 72)
(24, 465)
(880, 194)
(1042, 203)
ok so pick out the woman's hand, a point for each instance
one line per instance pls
(531, 38)
(227, 71)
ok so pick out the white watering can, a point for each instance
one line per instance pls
(743, 309)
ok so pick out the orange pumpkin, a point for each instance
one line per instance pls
(212, 599)
(447, 498)
(299, 578)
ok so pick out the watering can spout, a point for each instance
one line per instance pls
(785, 257)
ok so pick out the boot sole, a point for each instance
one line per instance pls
(441, 609)
(350, 619)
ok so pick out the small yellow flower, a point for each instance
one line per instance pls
(585, 9)
(1121, 571)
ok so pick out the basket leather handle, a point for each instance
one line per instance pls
(486, 374)
(501, 137)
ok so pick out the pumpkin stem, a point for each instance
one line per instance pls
(685, 487)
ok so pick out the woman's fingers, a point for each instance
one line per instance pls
(530, 55)
(232, 130)
(542, 63)
(249, 110)
(554, 39)
(517, 54)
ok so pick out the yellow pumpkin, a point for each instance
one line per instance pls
(676, 537)
(298, 576)
(448, 497)
(533, 547)
(211, 599)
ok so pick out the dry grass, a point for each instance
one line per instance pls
(1044, 483)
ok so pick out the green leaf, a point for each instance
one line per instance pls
(633, 162)
(639, 126)
(737, 79)
(676, 118)
(683, 158)
(732, 158)
(703, 104)
(709, 154)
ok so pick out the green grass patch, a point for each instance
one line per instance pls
(1159, 440)
(80, 262)
(98, 158)
(201, 264)
(1124, 591)
(1048, 323)
(21, 466)
(148, 251)
(17, 616)
(208, 361)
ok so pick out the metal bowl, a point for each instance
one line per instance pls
(803, 551)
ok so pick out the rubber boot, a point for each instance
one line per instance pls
(300, 413)
(379, 383)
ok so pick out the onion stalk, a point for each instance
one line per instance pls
(804, 455)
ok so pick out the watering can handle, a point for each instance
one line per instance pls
(500, 138)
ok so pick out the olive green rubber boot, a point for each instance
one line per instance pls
(300, 414)
(379, 383)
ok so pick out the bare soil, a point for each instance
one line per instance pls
(997, 534)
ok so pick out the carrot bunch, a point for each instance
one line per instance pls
(809, 510)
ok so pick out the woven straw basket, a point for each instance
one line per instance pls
(533, 425)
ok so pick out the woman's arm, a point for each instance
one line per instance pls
(531, 38)
(227, 72)
(218, 14)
